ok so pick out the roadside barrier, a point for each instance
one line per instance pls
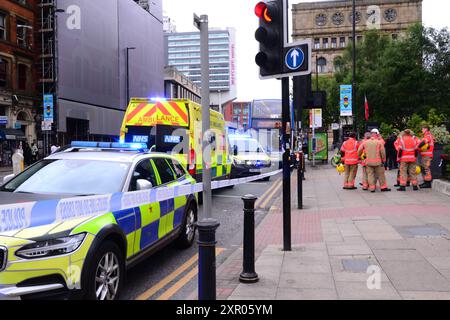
(18, 216)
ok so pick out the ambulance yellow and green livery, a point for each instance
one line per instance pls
(72, 224)
(174, 126)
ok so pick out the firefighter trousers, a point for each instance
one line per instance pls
(426, 171)
(350, 175)
(408, 173)
(374, 174)
(365, 179)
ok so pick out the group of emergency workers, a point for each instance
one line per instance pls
(370, 153)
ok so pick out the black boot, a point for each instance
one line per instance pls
(385, 190)
(415, 188)
(402, 188)
(425, 185)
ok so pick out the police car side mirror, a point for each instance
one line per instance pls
(143, 184)
(8, 178)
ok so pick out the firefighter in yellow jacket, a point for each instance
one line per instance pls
(375, 157)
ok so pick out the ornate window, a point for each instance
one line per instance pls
(338, 18)
(322, 65)
(2, 27)
(390, 14)
(321, 19)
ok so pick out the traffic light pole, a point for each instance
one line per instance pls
(298, 107)
(207, 225)
(286, 166)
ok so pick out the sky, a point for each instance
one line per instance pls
(239, 15)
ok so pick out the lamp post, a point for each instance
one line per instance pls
(128, 73)
(355, 105)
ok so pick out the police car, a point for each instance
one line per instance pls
(87, 257)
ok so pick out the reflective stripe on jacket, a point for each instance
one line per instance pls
(350, 147)
(408, 147)
(429, 139)
(375, 152)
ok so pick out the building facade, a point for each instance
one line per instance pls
(178, 86)
(18, 93)
(238, 113)
(329, 24)
(182, 51)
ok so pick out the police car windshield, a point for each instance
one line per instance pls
(70, 177)
(247, 145)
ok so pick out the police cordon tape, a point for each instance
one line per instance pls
(19, 216)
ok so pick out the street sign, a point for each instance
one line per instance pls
(46, 126)
(48, 107)
(346, 101)
(294, 58)
(4, 120)
(315, 117)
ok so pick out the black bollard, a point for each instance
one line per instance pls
(249, 275)
(207, 259)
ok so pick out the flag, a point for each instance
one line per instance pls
(366, 107)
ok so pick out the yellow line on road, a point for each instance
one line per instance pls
(266, 202)
(164, 282)
(268, 191)
(183, 281)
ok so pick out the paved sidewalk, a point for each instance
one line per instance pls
(402, 239)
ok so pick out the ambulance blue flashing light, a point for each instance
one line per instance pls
(110, 145)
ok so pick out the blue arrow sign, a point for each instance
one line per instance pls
(294, 58)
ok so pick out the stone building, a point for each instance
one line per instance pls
(18, 94)
(329, 24)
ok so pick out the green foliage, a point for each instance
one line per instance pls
(402, 78)
(447, 149)
(386, 130)
(441, 135)
(415, 124)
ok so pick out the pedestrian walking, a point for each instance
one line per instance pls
(34, 152)
(17, 161)
(391, 152)
(375, 157)
(349, 151)
(426, 147)
(27, 154)
(408, 160)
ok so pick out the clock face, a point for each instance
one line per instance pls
(321, 19)
(338, 18)
(358, 17)
(390, 14)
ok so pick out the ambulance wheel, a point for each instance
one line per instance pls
(106, 273)
(187, 235)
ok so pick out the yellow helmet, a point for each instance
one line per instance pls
(425, 147)
(418, 170)
(340, 168)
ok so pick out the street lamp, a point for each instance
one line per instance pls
(355, 103)
(128, 73)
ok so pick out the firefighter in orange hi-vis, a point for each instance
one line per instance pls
(408, 160)
(349, 150)
(426, 148)
(375, 157)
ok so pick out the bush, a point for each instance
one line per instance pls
(441, 135)
(447, 150)
(386, 130)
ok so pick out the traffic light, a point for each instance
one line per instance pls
(270, 36)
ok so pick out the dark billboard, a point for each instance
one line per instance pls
(92, 38)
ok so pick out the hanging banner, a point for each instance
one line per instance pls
(346, 101)
(48, 107)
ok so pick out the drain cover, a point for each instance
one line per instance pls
(355, 265)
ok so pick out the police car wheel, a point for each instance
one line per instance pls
(106, 274)
(187, 235)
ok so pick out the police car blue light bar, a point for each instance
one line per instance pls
(109, 145)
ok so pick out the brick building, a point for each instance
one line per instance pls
(18, 94)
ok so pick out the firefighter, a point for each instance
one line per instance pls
(349, 150)
(408, 160)
(365, 180)
(375, 157)
(426, 147)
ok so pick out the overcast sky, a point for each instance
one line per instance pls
(239, 14)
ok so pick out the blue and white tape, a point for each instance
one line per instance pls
(15, 217)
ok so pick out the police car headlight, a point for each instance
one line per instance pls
(51, 247)
(238, 162)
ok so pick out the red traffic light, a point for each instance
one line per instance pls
(262, 12)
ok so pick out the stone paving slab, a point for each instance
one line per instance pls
(336, 231)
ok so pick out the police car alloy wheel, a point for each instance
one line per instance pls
(190, 225)
(107, 277)
(187, 235)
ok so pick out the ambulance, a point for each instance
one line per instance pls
(174, 126)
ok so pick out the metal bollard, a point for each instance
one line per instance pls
(249, 275)
(207, 259)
